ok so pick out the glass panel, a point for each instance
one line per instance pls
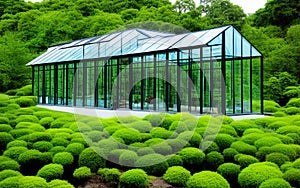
(70, 78)
(172, 84)
(124, 83)
(149, 80)
(229, 87)
(111, 81)
(79, 84)
(90, 84)
(237, 44)
(229, 42)
(255, 52)
(246, 86)
(184, 83)
(48, 89)
(217, 85)
(41, 86)
(100, 82)
(246, 48)
(161, 85)
(36, 81)
(237, 86)
(137, 84)
(206, 87)
(196, 78)
(60, 84)
(256, 81)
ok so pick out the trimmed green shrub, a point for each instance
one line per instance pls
(27, 158)
(5, 128)
(292, 110)
(229, 154)
(192, 157)
(134, 178)
(17, 133)
(141, 126)
(293, 177)
(82, 174)
(27, 118)
(167, 121)
(42, 146)
(24, 182)
(176, 144)
(288, 129)
(155, 119)
(154, 164)
(263, 152)
(279, 114)
(51, 172)
(23, 111)
(296, 163)
(241, 125)
(213, 160)
(145, 151)
(178, 127)
(277, 158)
(128, 135)
(12, 107)
(255, 174)
(275, 183)
(244, 148)
(37, 136)
(9, 165)
(8, 173)
(4, 120)
(286, 166)
(162, 148)
(46, 121)
(60, 184)
(75, 148)
(91, 159)
(63, 158)
(136, 146)
(175, 160)
(14, 152)
(26, 101)
(111, 176)
(160, 132)
(253, 130)
(286, 150)
(57, 149)
(246, 160)
(295, 137)
(154, 141)
(224, 141)
(95, 136)
(5, 138)
(128, 158)
(60, 142)
(177, 175)
(108, 144)
(114, 155)
(229, 171)
(43, 114)
(251, 138)
(96, 125)
(16, 143)
(227, 129)
(267, 141)
(192, 137)
(275, 125)
(207, 179)
(208, 146)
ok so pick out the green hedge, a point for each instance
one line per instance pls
(128, 158)
(207, 179)
(51, 172)
(42, 146)
(5, 138)
(145, 151)
(277, 158)
(5, 128)
(24, 182)
(154, 164)
(46, 121)
(213, 160)
(136, 178)
(192, 137)
(241, 125)
(14, 152)
(229, 154)
(90, 158)
(9, 165)
(224, 141)
(286, 150)
(82, 174)
(255, 174)
(63, 158)
(244, 148)
(128, 135)
(8, 173)
(267, 141)
(174, 160)
(275, 183)
(177, 176)
(141, 126)
(229, 171)
(293, 177)
(160, 132)
(192, 157)
(292, 110)
(60, 184)
(178, 127)
(75, 148)
(246, 160)
(26, 101)
(111, 176)
(162, 148)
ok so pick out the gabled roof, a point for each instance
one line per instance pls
(132, 41)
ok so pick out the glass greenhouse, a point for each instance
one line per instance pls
(214, 71)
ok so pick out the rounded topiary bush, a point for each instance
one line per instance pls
(229, 154)
(224, 141)
(46, 121)
(14, 152)
(128, 158)
(51, 172)
(82, 174)
(192, 157)
(207, 179)
(286, 150)
(253, 130)
(37, 136)
(162, 148)
(246, 160)
(193, 138)
(5, 138)
(275, 125)
(244, 148)
(42, 146)
(275, 183)
(90, 158)
(286, 166)
(4, 120)
(277, 158)
(5, 128)
(128, 135)
(267, 141)
(175, 160)
(296, 163)
(177, 175)
(230, 172)
(213, 160)
(75, 148)
(63, 158)
(176, 144)
(160, 132)
(293, 177)
(111, 176)
(154, 164)
(145, 151)
(19, 133)
(16, 143)
(59, 184)
(27, 158)
(8, 173)
(27, 118)
(251, 138)
(24, 182)
(141, 126)
(178, 127)
(60, 142)
(241, 125)
(134, 178)
(292, 110)
(255, 174)
(10, 164)
(57, 149)
(209, 146)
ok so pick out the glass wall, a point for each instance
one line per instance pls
(223, 76)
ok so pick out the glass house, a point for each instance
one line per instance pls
(216, 71)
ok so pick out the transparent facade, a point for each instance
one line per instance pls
(214, 71)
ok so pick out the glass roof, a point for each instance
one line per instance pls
(136, 41)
